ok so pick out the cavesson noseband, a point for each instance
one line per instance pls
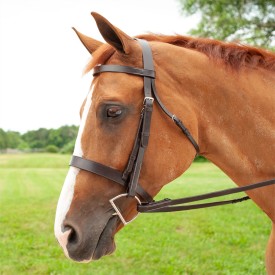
(130, 176)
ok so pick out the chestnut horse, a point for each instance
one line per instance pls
(223, 92)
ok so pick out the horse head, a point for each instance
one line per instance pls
(86, 222)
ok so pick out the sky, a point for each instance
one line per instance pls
(42, 60)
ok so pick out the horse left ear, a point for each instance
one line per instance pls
(113, 35)
(90, 44)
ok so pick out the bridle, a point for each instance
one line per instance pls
(130, 176)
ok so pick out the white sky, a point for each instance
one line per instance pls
(42, 60)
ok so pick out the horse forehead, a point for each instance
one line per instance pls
(112, 84)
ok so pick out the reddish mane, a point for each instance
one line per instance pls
(233, 54)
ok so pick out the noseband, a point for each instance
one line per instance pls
(130, 176)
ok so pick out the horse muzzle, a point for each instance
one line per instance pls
(88, 243)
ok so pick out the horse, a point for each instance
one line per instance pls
(220, 97)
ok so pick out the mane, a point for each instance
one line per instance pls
(232, 54)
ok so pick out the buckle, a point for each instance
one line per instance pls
(148, 98)
(118, 213)
(174, 118)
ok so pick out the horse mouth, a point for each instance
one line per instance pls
(106, 244)
(91, 248)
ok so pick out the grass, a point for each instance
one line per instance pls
(223, 240)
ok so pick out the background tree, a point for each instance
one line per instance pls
(246, 21)
(13, 139)
(3, 139)
(50, 140)
(37, 139)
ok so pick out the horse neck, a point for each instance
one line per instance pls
(237, 125)
(234, 109)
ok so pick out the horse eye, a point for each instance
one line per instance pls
(114, 111)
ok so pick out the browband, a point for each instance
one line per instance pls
(123, 69)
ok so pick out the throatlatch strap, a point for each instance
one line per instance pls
(179, 123)
(176, 120)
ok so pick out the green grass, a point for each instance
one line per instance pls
(222, 240)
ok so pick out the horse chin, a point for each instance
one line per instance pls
(106, 244)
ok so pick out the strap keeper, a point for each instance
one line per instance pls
(176, 120)
(148, 99)
(145, 132)
(179, 123)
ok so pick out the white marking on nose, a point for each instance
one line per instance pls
(63, 206)
(67, 192)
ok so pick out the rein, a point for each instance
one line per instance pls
(130, 176)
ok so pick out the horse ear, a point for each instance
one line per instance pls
(90, 44)
(113, 35)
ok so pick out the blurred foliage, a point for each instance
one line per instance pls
(9, 139)
(50, 140)
(52, 149)
(251, 22)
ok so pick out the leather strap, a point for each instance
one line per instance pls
(179, 123)
(123, 69)
(130, 165)
(97, 168)
(191, 207)
(175, 119)
(167, 205)
(106, 172)
(146, 118)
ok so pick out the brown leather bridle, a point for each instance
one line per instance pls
(130, 176)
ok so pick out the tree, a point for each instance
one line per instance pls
(245, 21)
(68, 134)
(55, 138)
(52, 149)
(51, 140)
(37, 139)
(3, 139)
(9, 139)
(13, 139)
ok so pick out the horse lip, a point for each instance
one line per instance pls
(106, 244)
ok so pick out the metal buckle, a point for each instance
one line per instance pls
(118, 211)
(174, 118)
(149, 98)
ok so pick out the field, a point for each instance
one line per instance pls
(222, 240)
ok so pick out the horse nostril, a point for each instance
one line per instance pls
(73, 236)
